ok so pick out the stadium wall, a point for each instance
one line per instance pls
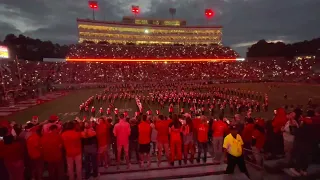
(54, 60)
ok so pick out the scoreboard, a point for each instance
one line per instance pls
(4, 52)
(167, 22)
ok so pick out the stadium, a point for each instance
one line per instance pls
(150, 40)
(61, 105)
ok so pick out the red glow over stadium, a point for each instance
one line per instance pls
(209, 13)
(149, 60)
(93, 4)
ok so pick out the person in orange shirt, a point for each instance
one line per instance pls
(202, 137)
(162, 126)
(72, 143)
(144, 140)
(175, 128)
(51, 144)
(219, 129)
(103, 137)
(35, 153)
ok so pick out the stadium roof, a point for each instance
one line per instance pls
(142, 25)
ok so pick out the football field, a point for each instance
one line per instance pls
(67, 107)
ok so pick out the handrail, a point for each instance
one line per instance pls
(260, 163)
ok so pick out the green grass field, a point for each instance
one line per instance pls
(67, 107)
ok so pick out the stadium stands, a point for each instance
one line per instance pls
(97, 51)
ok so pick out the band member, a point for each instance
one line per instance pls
(182, 111)
(171, 109)
(108, 111)
(93, 111)
(101, 111)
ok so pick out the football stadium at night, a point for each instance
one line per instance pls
(151, 40)
(153, 98)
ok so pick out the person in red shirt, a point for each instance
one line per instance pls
(219, 129)
(196, 121)
(202, 137)
(35, 153)
(51, 144)
(247, 133)
(103, 137)
(162, 126)
(258, 139)
(72, 143)
(12, 151)
(278, 122)
(144, 140)
(175, 128)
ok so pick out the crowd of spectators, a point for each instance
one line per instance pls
(149, 51)
(34, 74)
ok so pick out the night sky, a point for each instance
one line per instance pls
(244, 21)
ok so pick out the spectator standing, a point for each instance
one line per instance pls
(35, 154)
(103, 137)
(144, 141)
(175, 139)
(122, 132)
(219, 129)
(162, 126)
(90, 150)
(302, 146)
(233, 146)
(133, 143)
(188, 140)
(258, 140)
(72, 144)
(202, 137)
(13, 156)
(51, 144)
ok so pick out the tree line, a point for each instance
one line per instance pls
(35, 50)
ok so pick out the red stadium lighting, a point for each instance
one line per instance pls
(135, 10)
(209, 13)
(149, 60)
(93, 5)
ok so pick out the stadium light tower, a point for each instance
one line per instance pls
(172, 12)
(93, 5)
(135, 10)
(209, 13)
